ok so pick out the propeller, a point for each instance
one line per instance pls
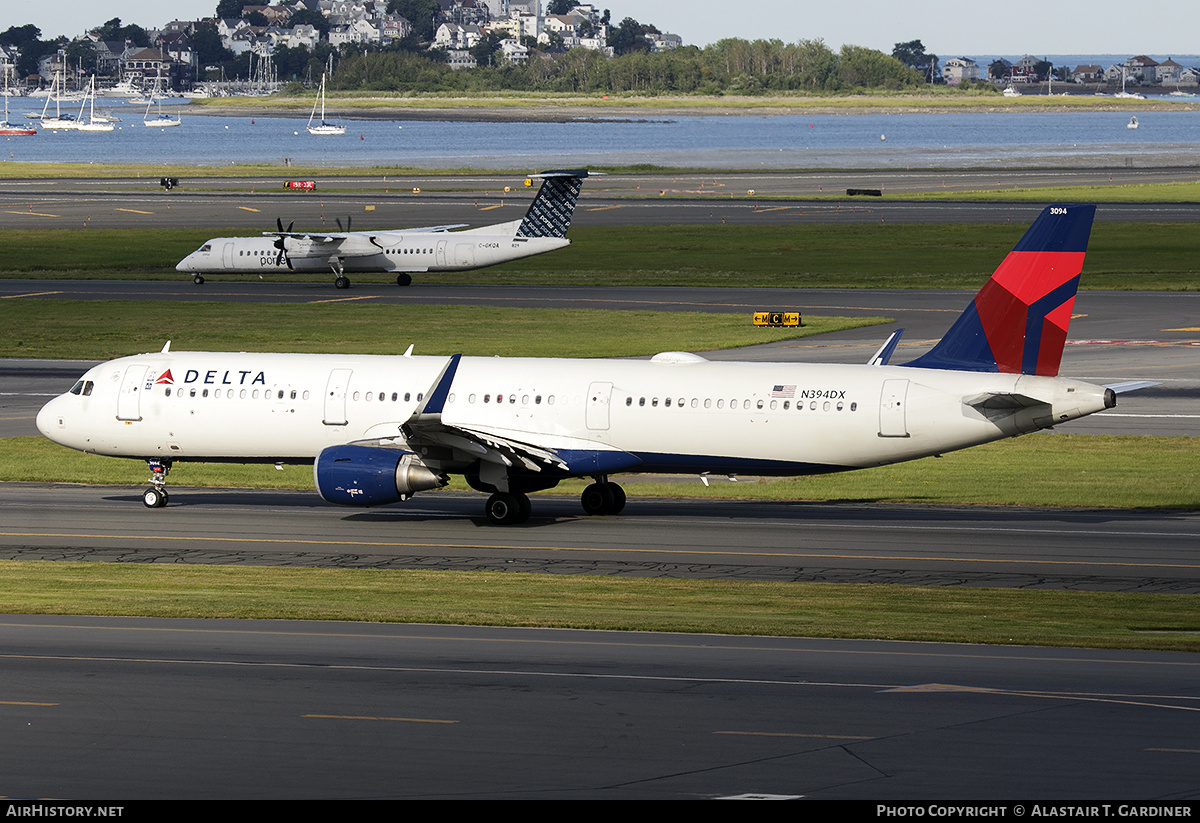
(281, 244)
(349, 222)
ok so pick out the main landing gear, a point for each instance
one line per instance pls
(339, 268)
(509, 508)
(155, 497)
(403, 279)
(603, 497)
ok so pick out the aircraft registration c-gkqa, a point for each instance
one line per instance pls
(401, 251)
(379, 429)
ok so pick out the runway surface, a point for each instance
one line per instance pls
(380, 201)
(135, 708)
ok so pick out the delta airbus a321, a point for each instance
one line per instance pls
(379, 429)
(403, 251)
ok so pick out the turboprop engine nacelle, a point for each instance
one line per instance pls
(365, 476)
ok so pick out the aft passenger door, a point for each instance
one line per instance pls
(893, 421)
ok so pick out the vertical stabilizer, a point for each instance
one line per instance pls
(1018, 322)
(550, 213)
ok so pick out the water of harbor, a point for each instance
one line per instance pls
(910, 140)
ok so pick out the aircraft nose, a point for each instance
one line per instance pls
(184, 264)
(48, 418)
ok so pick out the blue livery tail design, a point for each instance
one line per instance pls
(550, 213)
(1018, 322)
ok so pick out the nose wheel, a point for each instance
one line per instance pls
(155, 497)
(198, 280)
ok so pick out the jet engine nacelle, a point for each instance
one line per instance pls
(365, 476)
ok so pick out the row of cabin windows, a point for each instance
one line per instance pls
(271, 253)
(275, 394)
(383, 396)
(279, 394)
(758, 405)
(244, 394)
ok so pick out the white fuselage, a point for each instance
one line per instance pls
(678, 414)
(397, 251)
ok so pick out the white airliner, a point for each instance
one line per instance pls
(380, 428)
(432, 248)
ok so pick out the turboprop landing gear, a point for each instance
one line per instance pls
(341, 281)
(198, 280)
(603, 497)
(155, 497)
(506, 508)
(403, 279)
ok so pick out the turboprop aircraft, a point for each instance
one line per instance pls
(403, 251)
(379, 429)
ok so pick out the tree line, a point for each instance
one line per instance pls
(729, 66)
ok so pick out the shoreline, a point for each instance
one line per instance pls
(570, 109)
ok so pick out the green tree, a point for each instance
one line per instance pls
(113, 30)
(485, 50)
(20, 35)
(81, 53)
(911, 54)
(628, 36)
(208, 47)
(421, 13)
(231, 9)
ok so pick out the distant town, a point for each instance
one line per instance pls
(556, 45)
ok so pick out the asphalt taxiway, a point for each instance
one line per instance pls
(127, 708)
(392, 201)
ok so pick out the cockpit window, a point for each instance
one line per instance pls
(77, 388)
(206, 247)
(83, 387)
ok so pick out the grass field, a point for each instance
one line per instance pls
(1120, 256)
(106, 329)
(1036, 470)
(946, 614)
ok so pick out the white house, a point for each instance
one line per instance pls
(958, 69)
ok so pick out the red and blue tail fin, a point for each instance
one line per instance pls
(1018, 322)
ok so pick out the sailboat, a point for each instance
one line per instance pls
(93, 123)
(8, 129)
(324, 128)
(160, 120)
(58, 121)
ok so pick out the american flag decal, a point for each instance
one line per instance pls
(784, 391)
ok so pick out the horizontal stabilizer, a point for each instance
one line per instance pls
(1002, 401)
(1132, 385)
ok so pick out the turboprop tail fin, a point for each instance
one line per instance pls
(550, 213)
(1018, 322)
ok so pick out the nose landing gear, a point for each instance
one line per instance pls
(155, 497)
